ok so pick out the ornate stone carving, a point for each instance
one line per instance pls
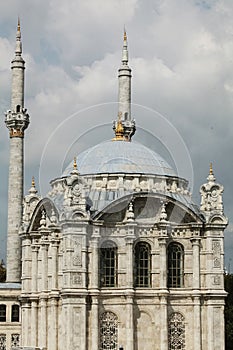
(77, 255)
(77, 278)
(211, 195)
(216, 253)
(216, 280)
(17, 122)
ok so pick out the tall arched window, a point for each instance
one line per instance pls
(108, 265)
(176, 332)
(108, 331)
(175, 265)
(15, 313)
(2, 313)
(142, 265)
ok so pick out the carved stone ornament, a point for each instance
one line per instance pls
(211, 196)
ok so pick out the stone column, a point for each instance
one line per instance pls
(53, 334)
(129, 322)
(196, 296)
(163, 323)
(197, 323)
(26, 261)
(26, 326)
(196, 262)
(54, 264)
(129, 285)
(34, 272)
(43, 322)
(163, 262)
(210, 330)
(95, 262)
(95, 323)
(34, 323)
(44, 263)
(129, 262)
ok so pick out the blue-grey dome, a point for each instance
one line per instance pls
(121, 157)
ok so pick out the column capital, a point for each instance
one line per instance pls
(163, 240)
(195, 241)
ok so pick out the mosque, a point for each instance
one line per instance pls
(116, 255)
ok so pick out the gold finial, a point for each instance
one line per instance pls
(18, 28)
(211, 169)
(75, 164)
(33, 181)
(119, 131)
(125, 35)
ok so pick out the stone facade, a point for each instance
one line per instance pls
(163, 287)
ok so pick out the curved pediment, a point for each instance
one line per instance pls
(147, 209)
(46, 205)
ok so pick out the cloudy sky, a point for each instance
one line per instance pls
(181, 55)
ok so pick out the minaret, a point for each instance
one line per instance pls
(17, 121)
(124, 95)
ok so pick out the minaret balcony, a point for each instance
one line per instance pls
(17, 122)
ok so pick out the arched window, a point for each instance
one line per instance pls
(175, 265)
(176, 332)
(108, 265)
(2, 313)
(142, 265)
(108, 331)
(18, 108)
(15, 313)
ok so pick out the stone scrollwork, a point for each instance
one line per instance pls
(216, 254)
(211, 195)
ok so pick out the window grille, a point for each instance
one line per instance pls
(15, 340)
(108, 331)
(2, 313)
(142, 268)
(15, 313)
(175, 265)
(176, 332)
(108, 265)
(2, 341)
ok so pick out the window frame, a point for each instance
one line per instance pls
(2, 312)
(13, 317)
(175, 265)
(108, 265)
(142, 265)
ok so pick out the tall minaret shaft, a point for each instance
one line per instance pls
(17, 121)
(124, 95)
(124, 81)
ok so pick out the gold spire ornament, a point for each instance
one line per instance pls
(211, 169)
(75, 163)
(18, 27)
(125, 35)
(119, 131)
(33, 181)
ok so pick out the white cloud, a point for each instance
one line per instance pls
(181, 55)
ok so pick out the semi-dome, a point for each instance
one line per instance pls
(113, 157)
